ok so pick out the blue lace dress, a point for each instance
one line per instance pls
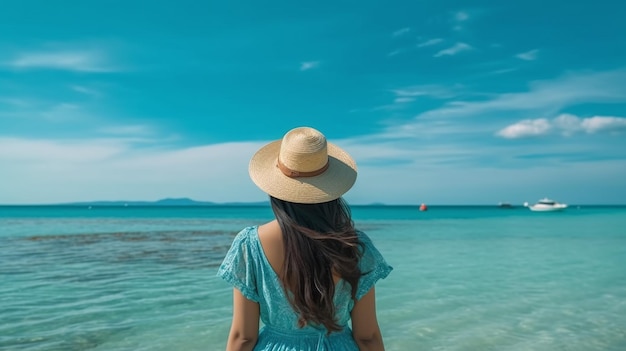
(247, 269)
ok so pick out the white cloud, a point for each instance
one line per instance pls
(401, 32)
(461, 16)
(453, 50)
(45, 171)
(395, 52)
(44, 151)
(435, 91)
(603, 124)
(426, 43)
(80, 61)
(305, 66)
(391, 170)
(425, 167)
(458, 18)
(567, 124)
(411, 91)
(402, 100)
(430, 42)
(546, 97)
(526, 128)
(409, 94)
(502, 71)
(528, 55)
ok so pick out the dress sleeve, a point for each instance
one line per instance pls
(239, 266)
(373, 266)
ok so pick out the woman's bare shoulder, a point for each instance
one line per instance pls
(271, 238)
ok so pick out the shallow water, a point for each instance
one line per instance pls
(465, 278)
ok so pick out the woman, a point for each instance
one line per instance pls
(309, 272)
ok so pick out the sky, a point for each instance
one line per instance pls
(439, 102)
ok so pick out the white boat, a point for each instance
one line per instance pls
(545, 205)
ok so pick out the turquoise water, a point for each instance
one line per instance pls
(465, 278)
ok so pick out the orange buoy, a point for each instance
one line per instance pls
(423, 207)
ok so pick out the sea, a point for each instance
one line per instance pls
(468, 278)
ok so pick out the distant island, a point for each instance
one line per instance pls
(162, 202)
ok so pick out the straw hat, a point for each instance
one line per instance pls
(303, 168)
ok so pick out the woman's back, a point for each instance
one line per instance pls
(271, 238)
(248, 267)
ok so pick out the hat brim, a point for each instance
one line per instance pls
(330, 185)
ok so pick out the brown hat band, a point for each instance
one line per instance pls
(296, 174)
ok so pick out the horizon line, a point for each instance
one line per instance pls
(267, 204)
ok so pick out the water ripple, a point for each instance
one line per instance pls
(75, 292)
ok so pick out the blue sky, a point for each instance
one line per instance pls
(441, 102)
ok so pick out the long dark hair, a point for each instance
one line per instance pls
(319, 240)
